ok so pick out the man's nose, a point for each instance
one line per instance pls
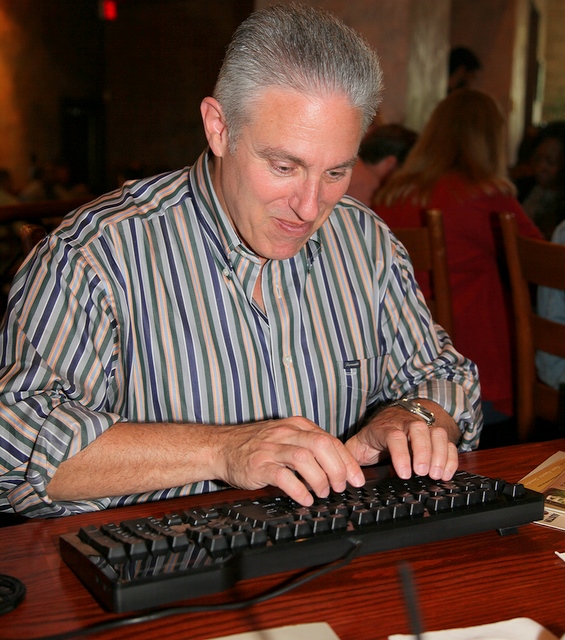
(305, 201)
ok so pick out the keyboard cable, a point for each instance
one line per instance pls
(411, 600)
(158, 614)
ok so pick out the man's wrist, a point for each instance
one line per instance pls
(416, 408)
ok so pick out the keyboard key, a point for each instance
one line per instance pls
(135, 547)
(257, 537)
(319, 525)
(514, 490)
(382, 514)
(436, 503)
(362, 517)
(113, 551)
(237, 540)
(301, 529)
(215, 544)
(337, 521)
(280, 531)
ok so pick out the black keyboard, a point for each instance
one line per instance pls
(147, 562)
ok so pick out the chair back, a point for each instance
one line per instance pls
(30, 235)
(426, 247)
(532, 263)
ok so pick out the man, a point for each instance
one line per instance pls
(382, 151)
(232, 324)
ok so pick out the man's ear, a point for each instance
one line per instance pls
(214, 126)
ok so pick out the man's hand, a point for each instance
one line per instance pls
(292, 454)
(412, 445)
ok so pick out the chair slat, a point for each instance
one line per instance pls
(31, 234)
(532, 263)
(426, 248)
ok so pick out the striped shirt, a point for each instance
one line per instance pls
(140, 308)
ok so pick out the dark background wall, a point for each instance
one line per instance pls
(108, 94)
(163, 58)
(47, 56)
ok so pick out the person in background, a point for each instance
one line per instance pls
(545, 202)
(237, 323)
(551, 305)
(464, 69)
(458, 165)
(7, 193)
(521, 172)
(52, 181)
(45, 183)
(381, 152)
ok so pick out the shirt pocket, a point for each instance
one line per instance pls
(359, 381)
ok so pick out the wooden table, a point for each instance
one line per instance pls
(478, 579)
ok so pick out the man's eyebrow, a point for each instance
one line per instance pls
(348, 164)
(272, 153)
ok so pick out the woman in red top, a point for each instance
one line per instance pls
(458, 165)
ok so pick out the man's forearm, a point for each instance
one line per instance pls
(134, 458)
(292, 453)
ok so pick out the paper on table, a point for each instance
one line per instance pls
(543, 477)
(515, 629)
(311, 631)
(539, 478)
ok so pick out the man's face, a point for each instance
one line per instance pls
(292, 164)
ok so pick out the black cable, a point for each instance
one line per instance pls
(12, 592)
(158, 614)
(411, 600)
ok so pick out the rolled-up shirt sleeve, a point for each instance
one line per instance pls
(57, 361)
(422, 361)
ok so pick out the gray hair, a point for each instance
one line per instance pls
(300, 48)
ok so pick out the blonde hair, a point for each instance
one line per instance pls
(464, 135)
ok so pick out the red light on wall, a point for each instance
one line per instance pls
(109, 9)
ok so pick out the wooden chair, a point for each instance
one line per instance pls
(532, 263)
(426, 247)
(30, 235)
(47, 213)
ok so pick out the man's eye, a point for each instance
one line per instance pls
(336, 175)
(283, 169)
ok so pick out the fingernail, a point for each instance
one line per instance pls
(340, 487)
(358, 480)
(324, 493)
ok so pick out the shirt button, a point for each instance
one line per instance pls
(226, 272)
(287, 360)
